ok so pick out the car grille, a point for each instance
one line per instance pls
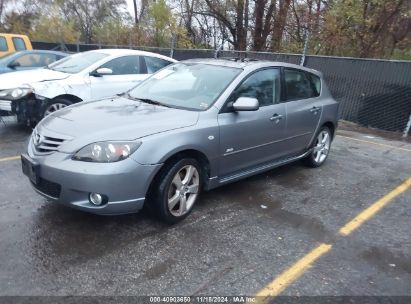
(47, 187)
(5, 105)
(46, 144)
(49, 145)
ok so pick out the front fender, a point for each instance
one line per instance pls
(48, 90)
(203, 137)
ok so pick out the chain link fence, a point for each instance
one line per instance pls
(372, 93)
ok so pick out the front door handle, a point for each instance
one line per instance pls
(314, 110)
(276, 117)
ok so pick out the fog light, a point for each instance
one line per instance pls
(96, 199)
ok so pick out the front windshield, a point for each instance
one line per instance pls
(76, 63)
(194, 86)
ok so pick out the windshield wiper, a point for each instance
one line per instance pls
(148, 100)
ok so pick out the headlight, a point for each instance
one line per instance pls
(106, 152)
(15, 94)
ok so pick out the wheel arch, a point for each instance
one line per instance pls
(191, 153)
(330, 125)
(177, 155)
(70, 97)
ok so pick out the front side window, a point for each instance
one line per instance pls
(35, 60)
(154, 64)
(77, 63)
(298, 85)
(193, 86)
(3, 45)
(124, 65)
(19, 44)
(263, 85)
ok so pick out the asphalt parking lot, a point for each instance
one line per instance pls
(279, 233)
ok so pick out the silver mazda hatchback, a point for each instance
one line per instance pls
(193, 126)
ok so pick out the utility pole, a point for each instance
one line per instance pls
(306, 40)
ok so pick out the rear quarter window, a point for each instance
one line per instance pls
(19, 44)
(154, 64)
(315, 83)
(3, 45)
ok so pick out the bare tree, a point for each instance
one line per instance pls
(263, 16)
(135, 12)
(280, 20)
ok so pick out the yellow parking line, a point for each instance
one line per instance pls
(293, 273)
(365, 215)
(9, 158)
(375, 143)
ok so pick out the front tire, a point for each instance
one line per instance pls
(55, 105)
(177, 190)
(321, 148)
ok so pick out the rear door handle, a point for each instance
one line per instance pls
(315, 110)
(276, 117)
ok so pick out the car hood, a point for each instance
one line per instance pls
(19, 78)
(112, 119)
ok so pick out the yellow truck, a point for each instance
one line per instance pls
(10, 43)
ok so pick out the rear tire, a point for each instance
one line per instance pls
(321, 148)
(176, 190)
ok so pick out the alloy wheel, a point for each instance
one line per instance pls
(183, 190)
(322, 146)
(54, 107)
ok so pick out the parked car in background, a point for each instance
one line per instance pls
(10, 43)
(80, 77)
(29, 60)
(195, 125)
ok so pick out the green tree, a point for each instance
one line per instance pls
(163, 22)
(366, 28)
(53, 28)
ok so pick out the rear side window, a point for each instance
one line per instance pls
(154, 64)
(19, 44)
(3, 45)
(298, 85)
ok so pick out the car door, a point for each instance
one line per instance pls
(304, 108)
(126, 73)
(250, 138)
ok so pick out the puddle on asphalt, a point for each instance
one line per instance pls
(387, 260)
(159, 269)
(61, 235)
(260, 190)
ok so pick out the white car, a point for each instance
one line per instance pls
(91, 75)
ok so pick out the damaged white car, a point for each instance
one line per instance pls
(92, 75)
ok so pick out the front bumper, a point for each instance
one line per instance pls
(70, 182)
(27, 109)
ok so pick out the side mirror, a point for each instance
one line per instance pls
(246, 104)
(14, 64)
(101, 72)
